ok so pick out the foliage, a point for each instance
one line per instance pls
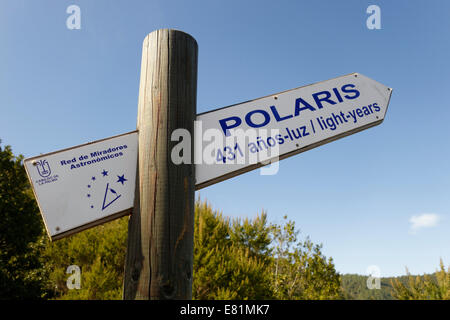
(409, 287)
(428, 287)
(252, 259)
(300, 271)
(354, 287)
(21, 233)
(229, 258)
(100, 254)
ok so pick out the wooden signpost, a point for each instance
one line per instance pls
(161, 229)
(84, 186)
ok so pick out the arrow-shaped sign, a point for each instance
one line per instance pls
(245, 136)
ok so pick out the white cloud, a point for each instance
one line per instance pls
(424, 220)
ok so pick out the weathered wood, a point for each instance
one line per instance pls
(160, 234)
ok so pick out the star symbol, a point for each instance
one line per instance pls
(88, 195)
(89, 185)
(122, 179)
(93, 178)
(104, 173)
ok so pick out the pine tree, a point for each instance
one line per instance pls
(436, 287)
(229, 258)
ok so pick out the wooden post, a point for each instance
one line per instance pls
(160, 232)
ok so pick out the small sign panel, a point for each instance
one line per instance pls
(83, 186)
(245, 136)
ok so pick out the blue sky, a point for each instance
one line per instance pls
(357, 195)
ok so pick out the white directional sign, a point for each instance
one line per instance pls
(84, 186)
(242, 137)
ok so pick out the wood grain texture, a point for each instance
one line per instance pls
(160, 235)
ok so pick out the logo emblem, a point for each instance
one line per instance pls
(113, 189)
(43, 168)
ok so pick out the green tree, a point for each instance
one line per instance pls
(428, 287)
(22, 275)
(300, 270)
(254, 235)
(252, 259)
(230, 259)
(100, 254)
